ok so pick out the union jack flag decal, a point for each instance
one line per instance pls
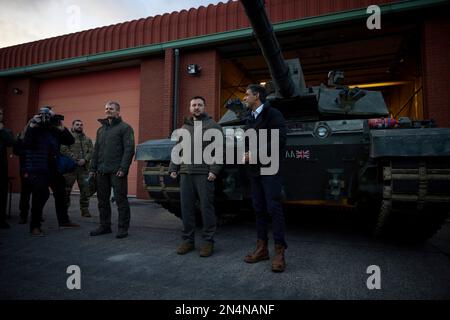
(302, 154)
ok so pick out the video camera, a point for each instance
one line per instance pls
(47, 118)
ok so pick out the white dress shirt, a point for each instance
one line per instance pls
(256, 113)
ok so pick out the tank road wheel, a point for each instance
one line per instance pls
(165, 191)
(412, 217)
(410, 226)
(161, 187)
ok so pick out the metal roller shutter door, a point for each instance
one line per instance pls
(84, 97)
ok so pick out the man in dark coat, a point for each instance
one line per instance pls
(43, 139)
(266, 189)
(111, 160)
(6, 140)
(197, 180)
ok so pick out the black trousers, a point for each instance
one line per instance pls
(3, 194)
(105, 182)
(266, 198)
(25, 196)
(40, 193)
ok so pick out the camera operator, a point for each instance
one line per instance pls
(43, 138)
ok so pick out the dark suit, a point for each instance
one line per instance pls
(267, 189)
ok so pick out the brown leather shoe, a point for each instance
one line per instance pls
(36, 232)
(278, 263)
(68, 225)
(261, 253)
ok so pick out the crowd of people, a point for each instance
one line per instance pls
(52, 157)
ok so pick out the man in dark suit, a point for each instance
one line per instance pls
(266, 189)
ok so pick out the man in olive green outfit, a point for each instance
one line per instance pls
(81, 152)
(111, 160)
(197, 180)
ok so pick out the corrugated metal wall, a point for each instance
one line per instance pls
(162, 28)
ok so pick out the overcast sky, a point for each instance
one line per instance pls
(30, 20)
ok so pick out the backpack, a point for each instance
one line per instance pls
(65, 164)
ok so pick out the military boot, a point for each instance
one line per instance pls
(185, 247)
(85, 213)
(68, 225)
(122, 233)
(207, 249)
(100, 230)
(261, 253)
(278, 263)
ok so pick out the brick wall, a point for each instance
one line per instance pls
(206, 84)
(152, 110)
(157, 90)
(436, 67)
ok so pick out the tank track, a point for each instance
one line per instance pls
(166, 192)
(415, 203)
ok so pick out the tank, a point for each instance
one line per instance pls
(342, 151)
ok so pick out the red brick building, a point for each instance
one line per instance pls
(142, 63)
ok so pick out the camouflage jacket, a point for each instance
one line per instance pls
(81, 149)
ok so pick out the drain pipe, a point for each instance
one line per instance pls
(176, 80)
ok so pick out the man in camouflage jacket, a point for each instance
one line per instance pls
(81, 152)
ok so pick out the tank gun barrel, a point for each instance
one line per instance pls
(270, 47)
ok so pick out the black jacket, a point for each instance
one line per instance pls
(6, 140)
(114, 147)
(270, 118)
(42, 145)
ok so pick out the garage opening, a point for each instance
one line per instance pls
(386, 60)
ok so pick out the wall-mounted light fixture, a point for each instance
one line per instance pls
(193, 69)
(17, 91)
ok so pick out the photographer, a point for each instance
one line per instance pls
(43, 138)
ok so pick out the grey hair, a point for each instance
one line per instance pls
(115, 104)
